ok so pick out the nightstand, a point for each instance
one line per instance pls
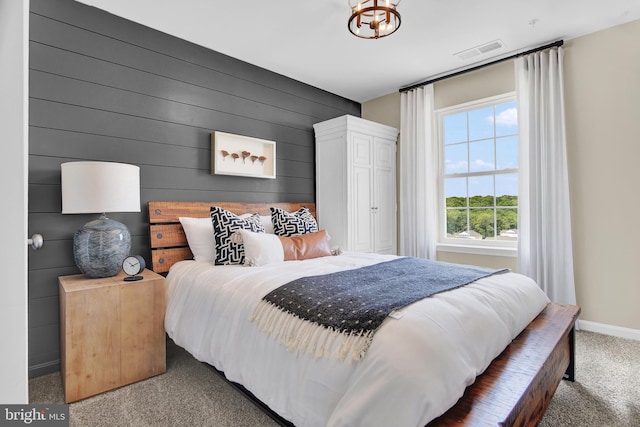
(111, 332)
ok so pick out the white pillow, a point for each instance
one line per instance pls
(266, 222)
(261, 248)
(199, 232)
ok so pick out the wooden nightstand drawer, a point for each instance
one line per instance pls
(111, 332)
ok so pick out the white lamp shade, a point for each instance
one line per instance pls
(100, 187)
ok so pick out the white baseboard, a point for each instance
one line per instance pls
(616, 331)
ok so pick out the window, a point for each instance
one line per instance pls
(479, 173)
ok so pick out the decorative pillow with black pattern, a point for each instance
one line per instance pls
(226, 223)
(292, 224)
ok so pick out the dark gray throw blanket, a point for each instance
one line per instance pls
(310, 312)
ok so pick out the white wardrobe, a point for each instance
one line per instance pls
(356, 183)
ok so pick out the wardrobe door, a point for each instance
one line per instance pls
(361, 193)
(384, 184)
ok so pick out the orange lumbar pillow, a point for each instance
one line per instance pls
(306, 246)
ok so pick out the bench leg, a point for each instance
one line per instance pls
(570, 374)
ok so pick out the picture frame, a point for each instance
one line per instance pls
(240, 155)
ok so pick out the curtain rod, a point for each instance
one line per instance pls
(477, 67)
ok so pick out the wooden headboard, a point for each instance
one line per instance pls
(168, 241)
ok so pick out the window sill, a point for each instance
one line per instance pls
(478, 250)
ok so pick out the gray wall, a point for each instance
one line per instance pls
(104, 88)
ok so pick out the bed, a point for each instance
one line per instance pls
(514, 386)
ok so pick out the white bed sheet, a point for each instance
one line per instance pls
(416, 368)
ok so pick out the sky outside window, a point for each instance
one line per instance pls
(492, 143)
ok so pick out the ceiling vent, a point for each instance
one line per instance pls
(479, 50)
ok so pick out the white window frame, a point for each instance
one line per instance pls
(481, 247)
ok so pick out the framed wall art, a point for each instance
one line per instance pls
(242, 156)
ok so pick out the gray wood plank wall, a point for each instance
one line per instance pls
(107, 89)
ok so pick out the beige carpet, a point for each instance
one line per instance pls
(606, 393)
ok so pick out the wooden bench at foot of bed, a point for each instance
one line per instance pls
(518, 386)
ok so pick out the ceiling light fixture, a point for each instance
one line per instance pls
(373, 19)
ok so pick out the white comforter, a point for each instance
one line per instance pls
(418, 365)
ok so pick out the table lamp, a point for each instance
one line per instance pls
(100, 246)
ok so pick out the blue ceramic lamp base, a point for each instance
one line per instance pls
(100, 246)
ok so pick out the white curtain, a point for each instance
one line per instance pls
(544, 225)
(418, 175)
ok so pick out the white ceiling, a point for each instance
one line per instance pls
(309, 40)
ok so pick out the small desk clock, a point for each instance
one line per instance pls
(132, 266)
